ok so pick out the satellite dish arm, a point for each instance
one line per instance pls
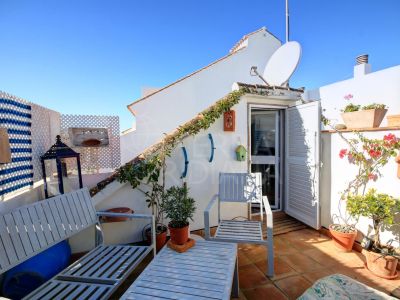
(254, 72)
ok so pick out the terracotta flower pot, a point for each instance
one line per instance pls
(343, 241)
(125, 210)
(370, 118)
(161, 238)
(381, 266)
(179, 236)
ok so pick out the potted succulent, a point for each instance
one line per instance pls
(368, 116)
(381, 259)
(343, 236)
(179, 208)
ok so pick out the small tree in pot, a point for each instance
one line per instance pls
(380, 208)
(369, 155)
(179, 208)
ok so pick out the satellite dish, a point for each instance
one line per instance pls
(282, 64)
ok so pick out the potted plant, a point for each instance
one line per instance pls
(343, 236)
(369, 155)
(144, 175)
(368, 116)
(179, 208)
(380, 208)
(154, 200)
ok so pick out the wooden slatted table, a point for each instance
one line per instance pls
(206, 271)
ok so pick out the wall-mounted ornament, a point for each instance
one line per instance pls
(229, 120)
(212, 147)
(185, 156)
(240, 153)
(5, 151)
(88, 137)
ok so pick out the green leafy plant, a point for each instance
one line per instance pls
(380, 208)
(374, 106)
(355, 107)
(178, 206)
(351, 108)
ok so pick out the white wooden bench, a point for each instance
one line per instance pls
(33, 228)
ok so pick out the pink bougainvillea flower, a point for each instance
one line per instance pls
(389, 139)
(372, 176)
(348, 97)
(374, 153)
(342, 153)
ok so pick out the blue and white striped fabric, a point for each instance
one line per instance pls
(15, 115)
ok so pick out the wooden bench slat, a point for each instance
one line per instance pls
(36, 226)
(26, 219)
(14, 235)
(74, 214)
(44, 224)
(80, 200)
(183, 290)
(194, 278)
(118, 269)
(76, 293)
(66, 208)
(109, 260)
(22, 232)
(50, 221)
(77, 212)
(60, 220)
(159, 294)
(185, 281)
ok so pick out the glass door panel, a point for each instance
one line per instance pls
(265, 151)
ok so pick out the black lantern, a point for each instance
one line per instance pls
(59, 166)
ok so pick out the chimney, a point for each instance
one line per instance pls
(362, 66)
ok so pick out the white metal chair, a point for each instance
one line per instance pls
(242, 188)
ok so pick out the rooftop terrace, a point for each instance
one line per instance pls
(302, 257)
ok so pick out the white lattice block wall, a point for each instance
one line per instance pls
(95, 159)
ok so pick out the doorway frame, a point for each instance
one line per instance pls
(279, 181)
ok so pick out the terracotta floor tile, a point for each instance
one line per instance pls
(264, 292)
(254, 252)
(318, 274)
(283, 246)
(321, 257)
(250, 276)
(293, 286)
(281, 268)
(301, 263)
(243, 259)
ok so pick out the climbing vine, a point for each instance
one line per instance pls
(149, 164)
(147, 167)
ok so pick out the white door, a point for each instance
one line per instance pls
(264, 151)
(302, 163)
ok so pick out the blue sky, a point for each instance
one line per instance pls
(93, 56)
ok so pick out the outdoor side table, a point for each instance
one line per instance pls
(209, 270)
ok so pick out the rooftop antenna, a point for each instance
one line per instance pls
(287, 21)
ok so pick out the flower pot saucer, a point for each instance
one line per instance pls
(181, 248)
(383, 276)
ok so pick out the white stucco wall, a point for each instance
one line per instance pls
(337, 172)
(202, 177)
(380, 87)
(164, 111)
